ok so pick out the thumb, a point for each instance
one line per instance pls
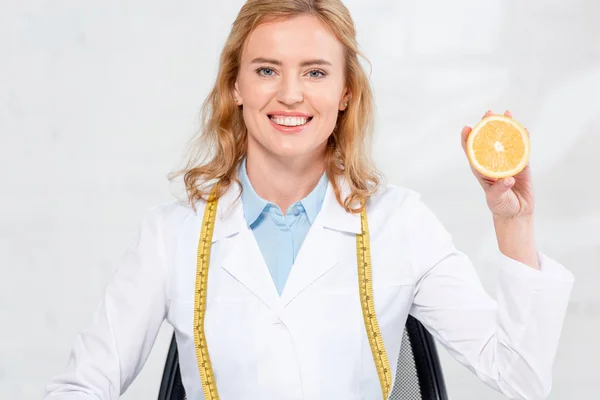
(500, 187)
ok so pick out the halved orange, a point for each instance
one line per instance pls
(498, 147)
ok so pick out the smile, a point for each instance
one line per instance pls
(289, 121)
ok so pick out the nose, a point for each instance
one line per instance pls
(290, 91)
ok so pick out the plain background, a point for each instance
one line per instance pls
(99, 99)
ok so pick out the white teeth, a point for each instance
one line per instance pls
(289, 121)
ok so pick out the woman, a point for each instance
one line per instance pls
(275, 209)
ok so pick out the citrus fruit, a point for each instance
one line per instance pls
(498, 147)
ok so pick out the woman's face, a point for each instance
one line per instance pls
(291, 84)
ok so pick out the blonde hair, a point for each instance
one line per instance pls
(221, 146)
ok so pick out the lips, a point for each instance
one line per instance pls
(290, 120)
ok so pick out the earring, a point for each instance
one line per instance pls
(345, 104)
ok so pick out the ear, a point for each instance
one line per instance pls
(345, 99)
(236, 94)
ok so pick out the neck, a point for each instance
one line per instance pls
(284, 181)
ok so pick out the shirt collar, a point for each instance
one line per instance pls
(254, 204)
(231, 219)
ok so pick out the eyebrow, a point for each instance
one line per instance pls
(316, 61)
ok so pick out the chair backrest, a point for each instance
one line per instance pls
(419, 373)
(418, 377)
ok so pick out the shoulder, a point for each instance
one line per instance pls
(393, 200)
(172, 218)
(172, 212)
(402, 208)
(399, 217)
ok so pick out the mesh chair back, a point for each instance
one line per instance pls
(418, 377)
(406, 385)
(171, 387)
(419, 373)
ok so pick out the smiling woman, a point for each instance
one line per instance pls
(293, 70)
(289, 252)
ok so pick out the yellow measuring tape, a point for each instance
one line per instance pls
(365, 285)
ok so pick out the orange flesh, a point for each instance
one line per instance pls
(499, 146)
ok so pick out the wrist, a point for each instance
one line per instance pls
(516, 239)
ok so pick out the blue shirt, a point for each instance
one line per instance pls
(279, 236)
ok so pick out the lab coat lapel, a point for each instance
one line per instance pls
(331, 239)
(242, 259)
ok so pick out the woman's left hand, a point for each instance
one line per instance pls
(508, 198)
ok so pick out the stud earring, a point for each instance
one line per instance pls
(345, 104)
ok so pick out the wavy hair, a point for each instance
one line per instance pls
(220, 147)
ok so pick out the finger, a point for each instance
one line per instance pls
(487, 114)
(500, 187)
(487, 180)
(524, 174)
(527, 130)
(508, 114)
(464, 135)
(484, 181)
(508, 182)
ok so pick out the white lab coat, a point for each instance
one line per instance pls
(311, 343)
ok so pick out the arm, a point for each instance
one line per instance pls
(108, 355)
(509, 343)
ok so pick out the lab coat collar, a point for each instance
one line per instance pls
(230, 214)
(231, 220)
(334, 215)
(326, 244)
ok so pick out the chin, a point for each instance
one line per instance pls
(290, 152)
(289, 146)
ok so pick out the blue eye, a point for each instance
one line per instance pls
(316, 73)
(265, 71)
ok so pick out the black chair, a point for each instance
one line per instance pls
(418, 377)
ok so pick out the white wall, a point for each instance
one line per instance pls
(98, 100)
